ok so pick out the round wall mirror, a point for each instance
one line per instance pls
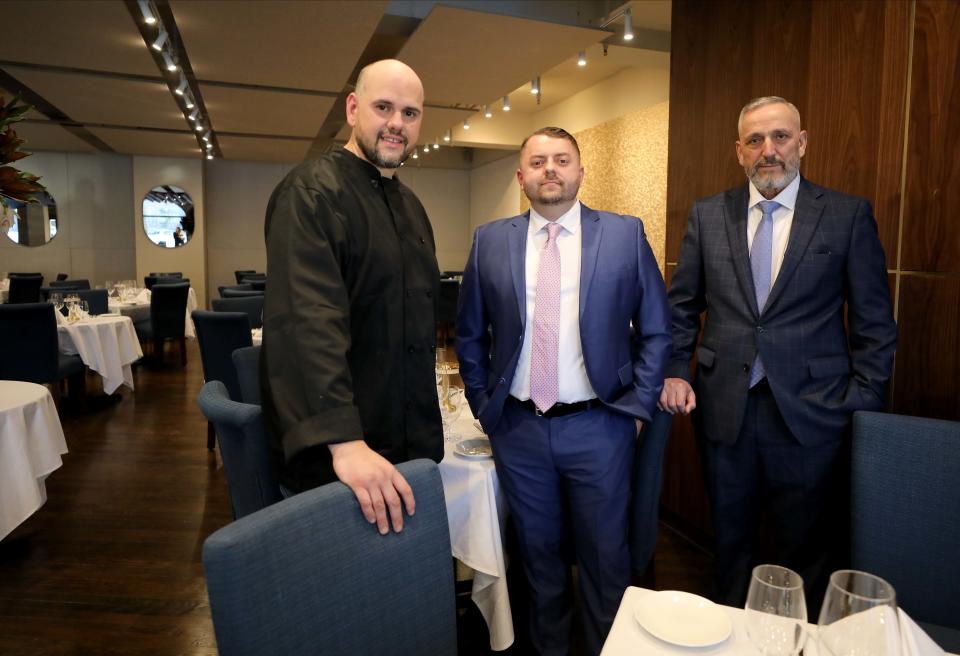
(30, 224)
(168, 216)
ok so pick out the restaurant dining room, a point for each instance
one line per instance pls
(460, 327)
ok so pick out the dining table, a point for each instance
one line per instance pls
(628, 637)
(138, 308)
(4, 289)
(476, 513)
(107, 344)
(31, 446)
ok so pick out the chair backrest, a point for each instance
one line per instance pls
(647, 481)
(259, 285)
(24, 289)
(151, 280)
(252, 305)
(62, 276)
(169, 274)
(250, 277)
(309, 575)
(447, 303)
(241, 273)
(168, 309)
(905, 510)
(96, 299)
(20, 274)
(219, 334)
(243, 447)
(227, 292)
(28, 342)
(247, 363)
(76, 283)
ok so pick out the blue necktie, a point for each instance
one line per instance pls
(761, 257)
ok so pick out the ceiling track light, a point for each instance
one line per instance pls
(466, 124)
(195, 115)
(199, 127)
(209, 155)
(182, 87)
(415, 155)
(436, 144)
(535, 86)
(206, 137)
(446, 136)
(627, 25)
(168, 62)
(147, 12)
(426, 148)
(486, 112)
(506, 103)
(160, 40)
(582, 58)
(188, 100)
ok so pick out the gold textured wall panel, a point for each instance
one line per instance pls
(625, 170)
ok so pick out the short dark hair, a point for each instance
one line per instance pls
(553, 133)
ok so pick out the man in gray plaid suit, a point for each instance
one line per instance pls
(775, 263)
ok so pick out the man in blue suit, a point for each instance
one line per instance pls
(799, 334)
(561, 382)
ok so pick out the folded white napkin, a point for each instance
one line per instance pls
(914, 641)
(142, 297)
(61, 320)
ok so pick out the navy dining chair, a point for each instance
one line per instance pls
(76, 283)
(228, 292)
(30, 348)
(309, 575)
(96, 299)
(167, 320)
(24, 289)
(251, 305)
(247, 363)
(239, 275)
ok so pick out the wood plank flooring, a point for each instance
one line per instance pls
(111, 564)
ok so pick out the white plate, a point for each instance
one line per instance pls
(682, 619)
(475, 447)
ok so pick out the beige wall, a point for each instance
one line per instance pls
(445, 194)
(150, 172)
(95, 216)
(493, 191)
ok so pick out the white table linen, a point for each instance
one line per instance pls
(31, 443)
(256, 336)
(476, 512)
(4, 289)
(628, 638)
(107, 344)
(139, 309)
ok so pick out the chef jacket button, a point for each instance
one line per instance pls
(746, 368)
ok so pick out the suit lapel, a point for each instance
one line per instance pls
(735, 220)
(517, 244)
(590, 231)
(806, 216)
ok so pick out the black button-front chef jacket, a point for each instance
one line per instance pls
(348, 331)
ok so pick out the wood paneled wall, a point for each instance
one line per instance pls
(876, 82)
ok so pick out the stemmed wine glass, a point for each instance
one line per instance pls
(858, 616)
(776, 611)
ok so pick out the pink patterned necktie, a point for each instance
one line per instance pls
(544, 386)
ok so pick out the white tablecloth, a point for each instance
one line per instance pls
(628, 638)
(31, 443)
(256, 336)
(4, 290)
(140, 310)
(476, 512)
(107, 344)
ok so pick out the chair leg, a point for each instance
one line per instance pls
(183, 350)
(211, 436)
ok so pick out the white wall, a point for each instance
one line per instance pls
(237, 195)
(95, 219)
(445, 194)
(150, 172)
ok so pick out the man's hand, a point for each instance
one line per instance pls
(376, 483)
(677, 396)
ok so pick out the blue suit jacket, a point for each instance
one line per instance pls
(820, 370)
(620, 286)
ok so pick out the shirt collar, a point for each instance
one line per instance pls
(787, 198)
(569, 220)
(364, 167)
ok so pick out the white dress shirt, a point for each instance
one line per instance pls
(782, 221)
(574, 384)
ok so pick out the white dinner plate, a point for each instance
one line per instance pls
(682, 619)
(475, 447)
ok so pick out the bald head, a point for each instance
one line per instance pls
(388, 71)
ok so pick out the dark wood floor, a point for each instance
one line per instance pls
(111, 564)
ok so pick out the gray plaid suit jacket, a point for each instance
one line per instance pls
(819, 369)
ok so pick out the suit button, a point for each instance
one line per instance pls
(503, 381)
(759, 329)
(746, 368)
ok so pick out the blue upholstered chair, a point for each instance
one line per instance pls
(239, 291)
(30, 348)
(163, 279)
(309, 575)
(96, 300)
(247, 363)
(647, 481)
(219, 334)
(251, 305)
(168, 311)
(24, 288)
(76, 283)
(905, 514)
(243, 447)
(239, 275)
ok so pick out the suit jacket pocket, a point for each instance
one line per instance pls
(705, 356)
(834, 365)
(626, 373)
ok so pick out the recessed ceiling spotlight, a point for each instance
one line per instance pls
(506, 103)
(582, 58)
(168, 61)
(627, 25)
(160, 40)
(148, 16)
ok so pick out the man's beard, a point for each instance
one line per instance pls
(375, 158)
(772, 184)
(556, 196)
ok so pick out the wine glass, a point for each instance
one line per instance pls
(776, 611)
(450, 408)
(57, 299)
(858, 616)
